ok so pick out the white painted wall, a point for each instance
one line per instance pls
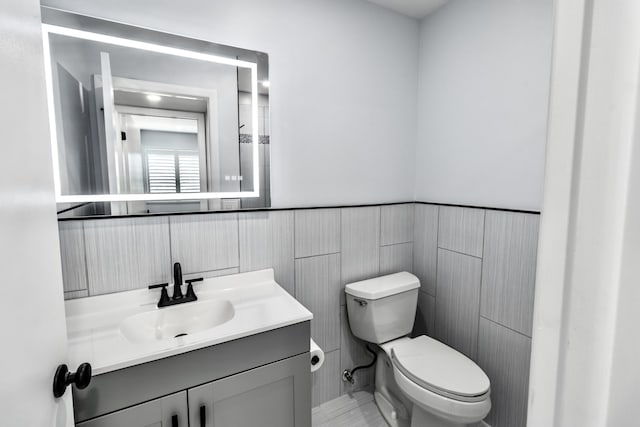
(33, 331)
(343, 99)
(483, 95)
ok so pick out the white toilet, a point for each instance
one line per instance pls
(420, 382)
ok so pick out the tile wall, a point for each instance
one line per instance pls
(476, 266)
(477, 272)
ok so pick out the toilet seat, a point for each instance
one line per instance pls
(440, 369)
(439, 380)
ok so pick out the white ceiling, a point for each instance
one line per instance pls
(413, 8)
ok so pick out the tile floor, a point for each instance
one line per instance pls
(349, 410)
(352, 410)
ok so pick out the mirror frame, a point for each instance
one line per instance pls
(55, 21)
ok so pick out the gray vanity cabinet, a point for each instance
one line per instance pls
(262, 397)
(261, 380)
(168, 411)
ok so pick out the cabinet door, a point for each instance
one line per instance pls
(169, 411)
(274, 395)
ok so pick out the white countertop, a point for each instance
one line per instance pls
(93, 324)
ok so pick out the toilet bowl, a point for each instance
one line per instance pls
(420, 382)
(440, 381)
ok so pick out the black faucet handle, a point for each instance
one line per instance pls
(190, 293)
(159, 285)
(164, 295)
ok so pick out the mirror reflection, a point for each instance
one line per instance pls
(149, 128)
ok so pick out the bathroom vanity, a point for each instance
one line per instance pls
(251, 369)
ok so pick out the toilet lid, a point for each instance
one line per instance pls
(441, 369)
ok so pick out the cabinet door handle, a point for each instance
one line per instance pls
(174, 421)
(203, 416)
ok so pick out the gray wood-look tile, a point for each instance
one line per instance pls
(210, 274)
(72, 254)
(352, 354)
(509, 269)
(349, 410)
(360, 250)
(126, 253)
(425, 246)
(504, 356)
(266, 241)
(396, 224)
(317, 232)
(76, 294)
(396, 258)
(425, 315)
(325, 382)
(461, 229)
(345, 403)
(205, 242)
(318, 288)
(458, 301)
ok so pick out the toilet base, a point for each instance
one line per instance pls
(396, 408)
(422, 418)
(393, 405)
(394, 415)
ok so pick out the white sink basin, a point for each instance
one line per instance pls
(116, 331)
(172, 322)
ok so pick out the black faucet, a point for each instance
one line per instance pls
(178, 297)
(177, 281)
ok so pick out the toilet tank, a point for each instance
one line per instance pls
(383, 308)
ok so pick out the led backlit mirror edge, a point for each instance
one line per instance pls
(152, 47)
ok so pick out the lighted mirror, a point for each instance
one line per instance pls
(146, 122)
